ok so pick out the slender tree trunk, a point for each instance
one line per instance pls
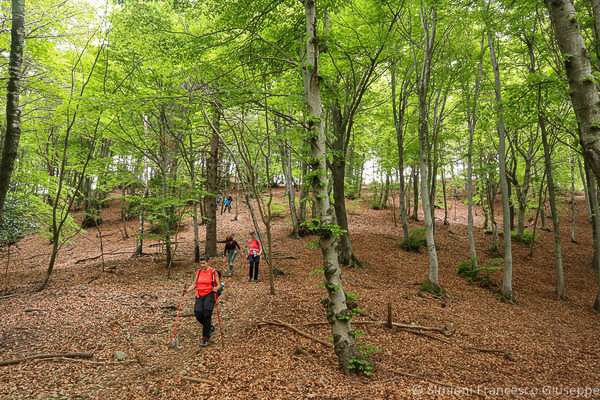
(360, 178)
(338, 173)
(582, 84)
(586, 189)
(286, 166)
(9, 144)
(472, 109)
(507, 291)
(304, 190)
(337, 311)
(210, 205)
(560, 276)
(399, 111)
(596, 263)
(415, 182)
(423, 86)
(573, 207)
(445, 198)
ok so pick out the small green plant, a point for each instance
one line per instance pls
(433, 289)
(482, 274)
(416, 240)
(467, 270)
(361, 363)
(361, 366)
(277, 210)
(526, 237)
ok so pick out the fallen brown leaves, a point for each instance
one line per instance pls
(466, 340)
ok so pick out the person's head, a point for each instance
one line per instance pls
(204, 262)
(229, 238)
(252, 235)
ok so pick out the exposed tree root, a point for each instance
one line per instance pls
(45, 356)
(294, 329)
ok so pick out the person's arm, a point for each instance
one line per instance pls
(260, 248)
(238, 246)
(217, 284)
(191, 287)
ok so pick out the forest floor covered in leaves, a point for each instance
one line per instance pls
(545, 344)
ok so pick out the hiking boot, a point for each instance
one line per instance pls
(204, 342)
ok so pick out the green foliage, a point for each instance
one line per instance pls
(277, 210)
(19, 218)
(362, 363)
(525, 238)
(432, 288)
(315, 226)
(482, 274)
(416, 240)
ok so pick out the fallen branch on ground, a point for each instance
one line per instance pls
(45, 356)
(100, 255)
(124, 362)
(198, 380)
(443, 330)
(8, 296)
(293, 328)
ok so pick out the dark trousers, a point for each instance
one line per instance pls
(253, 261)
(203, 311)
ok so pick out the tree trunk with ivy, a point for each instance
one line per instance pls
(338, 314)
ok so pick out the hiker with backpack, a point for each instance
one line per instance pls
(255, 249)
(226, 206)
(229, 253)
(207, 287)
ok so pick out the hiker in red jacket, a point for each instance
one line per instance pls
(254, 251)
(206, 285)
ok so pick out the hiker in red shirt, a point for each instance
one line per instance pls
(206, 285)
(254, 251)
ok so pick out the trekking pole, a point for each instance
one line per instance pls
(219, 320)
(174, 343)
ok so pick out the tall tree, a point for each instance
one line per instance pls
(337, 310)
(429, 24)
(582, 84)
(507, 291)
(10, 140)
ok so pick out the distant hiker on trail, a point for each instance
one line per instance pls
(206, 285)
(229, 253)
(254, 251)
(227, 202)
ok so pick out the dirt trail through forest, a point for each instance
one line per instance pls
(130, 309)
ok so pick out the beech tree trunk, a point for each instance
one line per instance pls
(399, 111)
(338, 172)
(472, 104)
(286, 166)
(337, 311)
(423, 85)
(415, 182)
(210, 199)
(560, 275)
(596, 265)
(10, 141)
(582, 84)
(507, 291)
